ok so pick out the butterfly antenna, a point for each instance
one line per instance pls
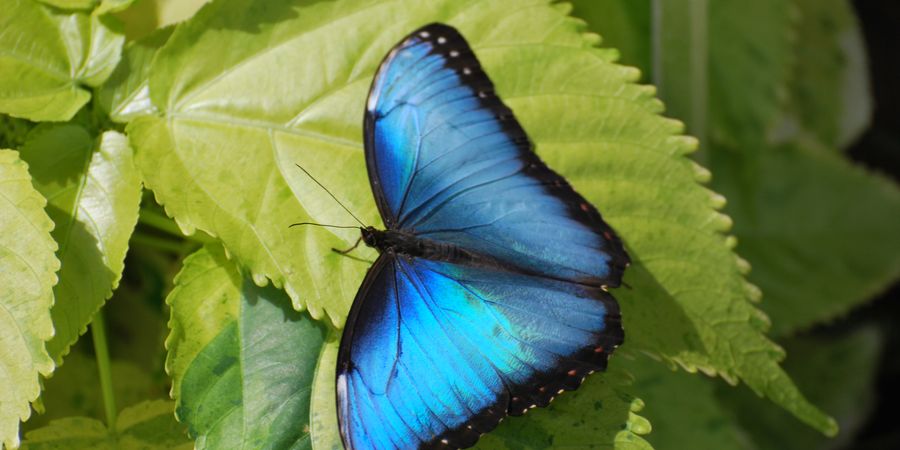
(332, 196)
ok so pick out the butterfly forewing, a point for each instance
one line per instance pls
(449, 162)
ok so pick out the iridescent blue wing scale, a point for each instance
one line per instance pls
(449, 162)
(438, 352)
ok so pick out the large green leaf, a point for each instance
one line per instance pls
(829, 86)
(840, 370)
(683, 409)
(48, 58)
(817, 231)
(625, 25)
(146, 425)
(821, 234)
(27, 275)
(221, 158)
(750, 57)
(94, 192)
(243, 361)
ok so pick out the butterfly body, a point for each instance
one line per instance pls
(409, 245)
(490, 293)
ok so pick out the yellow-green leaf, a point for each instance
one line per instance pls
(94, 192)
(27, 274)
(50, 58)
(146, 425)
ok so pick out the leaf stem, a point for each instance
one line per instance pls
(158, 243)
(101, 349)
(159, 221)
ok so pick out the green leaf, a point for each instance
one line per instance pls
(829, 87)
(221, 158)
(600, 414)
(93, 199)
(715, 335)
(820, 234)
(48, 58)
(624, 25)
(147, 425)
(242, 361)
(74, 389)
(324, 433)
(838, 369)
(750, 57)
(27, 275)
(683, 408)
(126, 94)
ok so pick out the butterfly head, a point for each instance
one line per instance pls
(372, 237)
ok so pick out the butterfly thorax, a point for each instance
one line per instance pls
(404, 243)
(396, 241)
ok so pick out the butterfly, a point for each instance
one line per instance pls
(489, 296)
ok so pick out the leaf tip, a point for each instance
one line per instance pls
(743, 265)
(717, 201)
(731, 242)
(831, 428)
(701, 174)
(754, 293)
(760, 320)
(723, 222)
(592, 39)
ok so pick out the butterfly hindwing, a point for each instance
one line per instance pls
(448, 161)
(439, 352)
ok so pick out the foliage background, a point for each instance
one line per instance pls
(104, 98)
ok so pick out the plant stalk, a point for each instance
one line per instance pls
(101, 350)
(680, 63)
(158, 221)
(154, 219)
(159, 243)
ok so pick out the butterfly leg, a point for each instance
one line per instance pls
(344, 252)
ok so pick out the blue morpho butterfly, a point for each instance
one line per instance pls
(489, 296)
